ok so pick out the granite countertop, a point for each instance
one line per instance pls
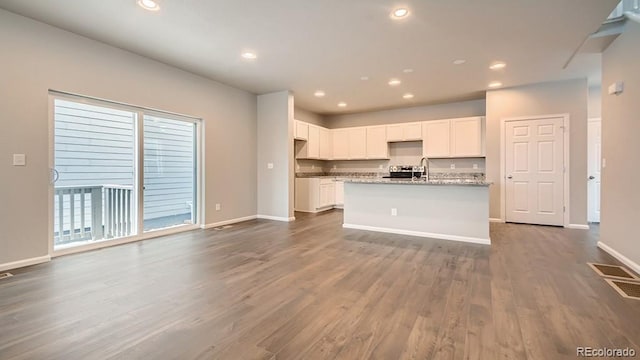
(437, 181)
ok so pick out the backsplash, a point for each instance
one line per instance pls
(462, 166)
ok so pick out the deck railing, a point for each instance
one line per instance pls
(93, 212)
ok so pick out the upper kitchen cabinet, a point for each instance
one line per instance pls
(340, 144)
(313, 144)
(326, 144)
(453, 138)
(301, 130)
(466, 137)
(436, 138)
(377, 146)
(357, 143)
(404, 132)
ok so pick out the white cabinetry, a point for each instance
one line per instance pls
(316, 142)
(357, 143)
(326, 146)
(340, 144)
(313, 144)
(466, 137)
(453, 138)
(377, 146)
(404, 132)
(301, 130)
(314, 194)
(436, 139)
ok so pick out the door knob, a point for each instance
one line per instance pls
(591, 177)
(509, 177)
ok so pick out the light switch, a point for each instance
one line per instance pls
(19, 160)
(475, 166)
(453, 166)
(269, 165)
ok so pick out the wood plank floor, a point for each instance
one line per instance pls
(312, 290)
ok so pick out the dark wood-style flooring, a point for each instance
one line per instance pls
(312, 290)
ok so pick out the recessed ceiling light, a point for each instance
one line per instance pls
(459, 62)
(342, 104)
(364, 78)
(249, 55)
(149, 5)
(394, 82)
(497, 66)
(407, 96)
(399, 13)
(495, 84)
(407, 71)
(319, 93)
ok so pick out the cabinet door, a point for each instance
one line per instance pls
(377, 146)
(339, 192)
(313, 144)
(466, 137)
(436, 138)
(358, 143)
(327, 195)
(340, 144)
(325, 144)
(301, 130)
(394, 133)
(412, 131)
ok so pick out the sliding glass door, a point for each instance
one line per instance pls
(169, 173)
(120, 171)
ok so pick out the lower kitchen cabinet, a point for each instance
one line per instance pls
(316, 194)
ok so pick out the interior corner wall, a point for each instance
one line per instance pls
(309, 117)
(275, 146)
(37, 57)
(408, 114)
(541, 99)
(620, 194)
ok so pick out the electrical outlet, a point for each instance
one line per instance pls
(297, 167)
(394, 212)
(335, 166)
(453, 166)
(475, 166)
(604, 163)
(269, 165)
(313, 167)
(217, 207)
(380, 167)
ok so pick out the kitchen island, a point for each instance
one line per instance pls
(440, 208)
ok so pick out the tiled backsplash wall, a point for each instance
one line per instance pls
(462, 165)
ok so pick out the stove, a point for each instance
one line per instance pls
(405, 171)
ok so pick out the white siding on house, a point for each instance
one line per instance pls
(95, 145)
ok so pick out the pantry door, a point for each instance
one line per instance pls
(534, 171)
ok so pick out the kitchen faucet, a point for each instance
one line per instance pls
(426, 166)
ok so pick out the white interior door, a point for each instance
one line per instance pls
(595, 161)
(534, 166)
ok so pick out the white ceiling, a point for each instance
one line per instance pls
(305, 45)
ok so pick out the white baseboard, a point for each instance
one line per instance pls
(230, 221)
(623, 259)
(420, 234)
(276, 218)
(578, 226)
(25, 262)
(496, 220)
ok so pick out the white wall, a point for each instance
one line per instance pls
(37, 57)
(620, 146)
(408, 114)
(542, 99)
(275, 146)
(308, 117)
(595, 102)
